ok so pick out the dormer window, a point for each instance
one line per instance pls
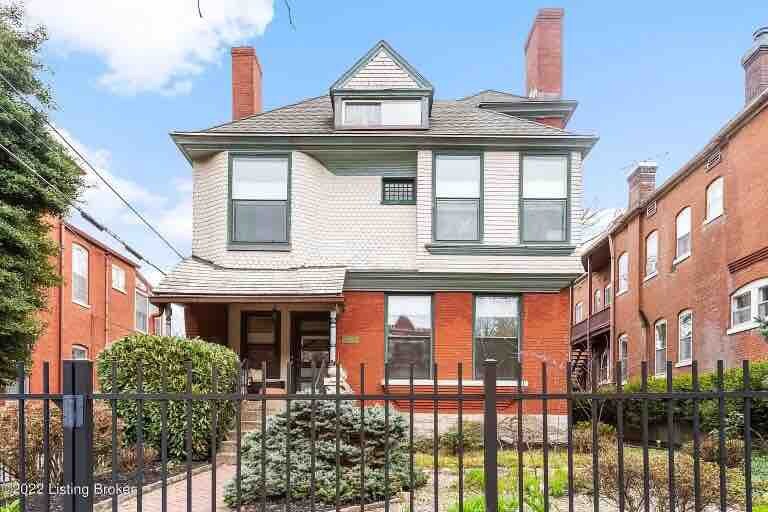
(381, 113)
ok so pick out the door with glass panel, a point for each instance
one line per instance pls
(310, 347)
(260, 343)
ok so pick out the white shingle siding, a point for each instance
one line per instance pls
(335, 220)
(501, 190)
(577, 198)
(381, 72)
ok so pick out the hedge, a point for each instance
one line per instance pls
(683, 408)
(171, 354)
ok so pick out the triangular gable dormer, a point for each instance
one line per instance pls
(381, 91)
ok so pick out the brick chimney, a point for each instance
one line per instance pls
(246, 82)
(755, 63)
(544, 55)
(642, 182)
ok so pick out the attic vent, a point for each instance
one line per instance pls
(650, 210)
(713, 160)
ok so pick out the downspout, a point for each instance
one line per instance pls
(612, 327)
(61, 307)
(589, 313)
(332, 340)
(640, 272)
(107, 288)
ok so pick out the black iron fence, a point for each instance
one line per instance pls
(342, 450)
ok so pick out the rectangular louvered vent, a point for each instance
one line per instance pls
(650, 210)
(713, 160)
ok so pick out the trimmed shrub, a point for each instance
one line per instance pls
(472, 435)
(350, 455)
(709, 450)
(582, 436)
(171, 354)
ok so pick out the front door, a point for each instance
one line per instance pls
(260, 341)
(310, 343)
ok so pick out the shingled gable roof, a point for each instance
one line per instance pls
(491, 96)
(382, 46)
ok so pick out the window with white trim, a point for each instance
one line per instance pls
(604, 370)
(578, 312)
(715, 206)
(749, 304)
(497, 334)
(660, 359)
(651, 253)
(624, 356)
(409, 335)
(683, 233)
(378, 113)
(142, 312)
(623, 268)
(545, 198)
(685, 337)
(79, 274)
(457, 197)
(79, 352)
(598, 300)
(259, 195)
(608, 295)
(118, 278)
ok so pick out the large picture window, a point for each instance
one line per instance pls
(497, 334)
(79, 274)
(685, 337)
(545, 198)
(458, 182)
(660, 360)
(683, 234)
(259, 199)
(409, 336)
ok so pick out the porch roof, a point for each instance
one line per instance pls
(196, 280)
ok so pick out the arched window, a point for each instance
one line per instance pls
(651, 253)
(685, 337)
(749, 303)
(623, 272)
(660, 334)
(715, 206)
(683, 234)
(79, 352)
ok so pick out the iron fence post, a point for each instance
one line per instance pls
(77, 387)
(490, 422)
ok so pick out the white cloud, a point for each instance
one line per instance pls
(151, 45)
(176, 222)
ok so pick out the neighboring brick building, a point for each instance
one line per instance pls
(103, 298)
(690, 258)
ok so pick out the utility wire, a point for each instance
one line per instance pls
(88, 217)
(93, 168)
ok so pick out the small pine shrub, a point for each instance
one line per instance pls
(472, 435)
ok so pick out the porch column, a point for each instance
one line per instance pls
(332, 336)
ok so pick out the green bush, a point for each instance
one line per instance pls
(472, 435)
(709, 450)
(299, 436)
(476, 503)
(582, 435)
(158, 353)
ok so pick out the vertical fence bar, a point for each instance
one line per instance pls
(746, 380)
(644, 426)
(620, 432)
(362, 438)
(77, 384)
(164, 441)
(412, 481)
(312, 437)
(20, 378)
(490, 422)
(289, 389)
(696, 440)
(214, 433)
(569, 433)
(46, 435)
(595, 447)
(520, 440)
(140, 437)
(264, 369)
(239, 379)
(671, 442)
(460, 405)
(338, 437)
(435, 441)
(721, 432)
(113, 405)
(188, 434)
(545, 434)
(387, 496)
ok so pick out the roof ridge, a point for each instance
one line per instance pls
(210, 263)
(489, 90)
(276, 109)
(528, 121)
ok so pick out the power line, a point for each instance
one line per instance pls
(93, 168)
(88, 217)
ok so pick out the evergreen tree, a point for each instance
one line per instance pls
(27, 204)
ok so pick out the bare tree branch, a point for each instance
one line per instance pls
(199, 11)
(290, 13)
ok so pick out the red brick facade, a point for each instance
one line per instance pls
(544, 55)
(108, 316)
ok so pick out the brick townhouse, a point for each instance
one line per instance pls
(377, 223)
(103, 298)
(683, 274)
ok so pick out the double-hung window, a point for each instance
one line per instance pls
(651, 254)
(683, 233)
(409, 335)
(624, 356)
(118, 278)
(260, 203)
(578, 312)
(79, 274)
(598, 300)
(142, 312)
(749, 305)
(715, 199)
(623, 272)
(545, 198)
(458, 182)
(497, 334)
(608, 295)
(685, 337)
(660, 333)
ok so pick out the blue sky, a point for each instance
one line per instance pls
(653, 79)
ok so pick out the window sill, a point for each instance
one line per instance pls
(683, 364)
(708, 221)
(623, 292)
(680, 259)
(453, 382)
(81, 304)
(478, 248)
(398, 203)
(650, 276)
(276, 247)
(742, 328)
(120, 290)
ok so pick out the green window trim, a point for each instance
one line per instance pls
(480, 200)
(478, 365)
(431, 296)
(568, 199)
(240, 245)
(396, 181)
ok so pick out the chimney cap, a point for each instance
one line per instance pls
(760, 32)
(642, 164)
